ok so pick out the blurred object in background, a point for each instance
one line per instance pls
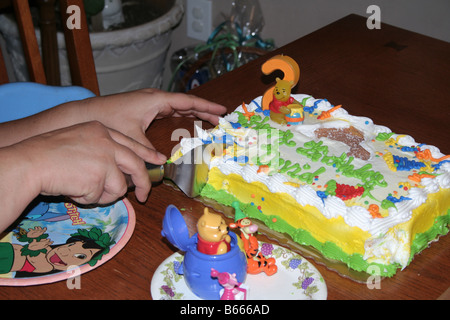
(232, 44)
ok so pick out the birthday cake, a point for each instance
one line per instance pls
(353, 190)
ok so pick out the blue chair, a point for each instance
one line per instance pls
(23, 99)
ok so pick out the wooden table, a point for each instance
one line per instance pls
(398, 78)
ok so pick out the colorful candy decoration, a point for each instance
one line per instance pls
(327, 114)
(374, 211)
(343, 191)
(246, 113)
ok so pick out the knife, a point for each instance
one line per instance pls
(189, 172)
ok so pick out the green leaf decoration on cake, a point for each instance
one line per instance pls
(331, 188)
(242, 119)
(386, 204)
(383, 136)
(304, 101)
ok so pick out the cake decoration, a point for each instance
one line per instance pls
(350, 136)
(212, 235)
(290, 69)
(256, 260)
(284, 108)
(196, 266)
(352, 189)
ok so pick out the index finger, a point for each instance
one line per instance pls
(145, 153)
(133, 167)
(180, 104)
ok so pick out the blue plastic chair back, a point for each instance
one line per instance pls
(23, 99)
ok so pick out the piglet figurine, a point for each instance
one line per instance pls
(230, 285)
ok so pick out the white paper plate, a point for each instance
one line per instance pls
(296, 279)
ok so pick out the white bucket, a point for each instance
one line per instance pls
(125, 59)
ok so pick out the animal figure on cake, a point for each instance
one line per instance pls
(213, 235)
(283, 106)
(256, 261)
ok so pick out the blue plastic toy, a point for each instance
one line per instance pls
(196, 267)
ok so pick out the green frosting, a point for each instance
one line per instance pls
(421, 240)
(383, 136)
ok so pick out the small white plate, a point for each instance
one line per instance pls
(296, 279)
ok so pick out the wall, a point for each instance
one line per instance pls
(287, 20)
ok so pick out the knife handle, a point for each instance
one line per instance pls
(155, 172)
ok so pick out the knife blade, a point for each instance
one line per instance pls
(189, 172)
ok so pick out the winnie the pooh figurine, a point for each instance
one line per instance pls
(282, 102)
(213, 235)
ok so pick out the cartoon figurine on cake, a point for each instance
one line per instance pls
(256, 261)
(213, 235)
(284, 109)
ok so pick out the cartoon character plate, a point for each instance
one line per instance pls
(296, 279)
(54, 241)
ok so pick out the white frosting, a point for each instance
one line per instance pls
(443, 179)
(305, 195)
(189, 144)
(232, 117)
(393, 247)
(357, 216)
(430, 185)
(334, 207)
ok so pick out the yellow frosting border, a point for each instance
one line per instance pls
(351, 240)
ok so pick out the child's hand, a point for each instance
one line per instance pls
(36, 232)
(39, 245)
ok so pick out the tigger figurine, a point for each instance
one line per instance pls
(256, 261)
